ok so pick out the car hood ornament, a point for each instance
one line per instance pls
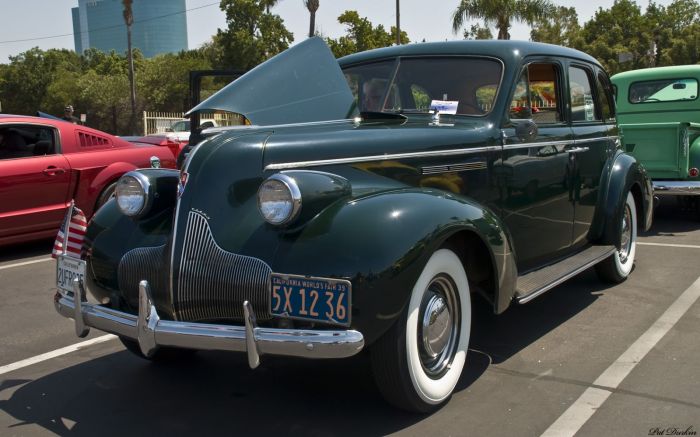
(302, 84)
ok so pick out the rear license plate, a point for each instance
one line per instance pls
(67, 269)
(308, 298)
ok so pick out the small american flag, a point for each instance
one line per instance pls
(77, 224)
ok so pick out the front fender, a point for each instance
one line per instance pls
(625, 173)
(91, 182)
(383, 241)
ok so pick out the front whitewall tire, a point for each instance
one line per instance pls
(435, 391)
(419, 360)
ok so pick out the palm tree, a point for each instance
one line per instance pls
(501, 12)
(129, 21)
(312, 6)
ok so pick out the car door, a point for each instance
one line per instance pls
(34, 179)
(533, 172)
(595, 131)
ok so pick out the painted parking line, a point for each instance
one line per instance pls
(583, 408)
(26, 263)
(686, 246)
(53, 354)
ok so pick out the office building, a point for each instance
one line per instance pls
(160, 26)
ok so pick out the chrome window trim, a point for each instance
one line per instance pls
(436, 153)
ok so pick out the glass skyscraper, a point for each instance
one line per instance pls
(160, 26)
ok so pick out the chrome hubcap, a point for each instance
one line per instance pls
(626, 235)
(439, 323)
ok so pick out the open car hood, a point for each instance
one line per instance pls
(304, 83)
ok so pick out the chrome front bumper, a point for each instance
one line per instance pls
(676, 188)
(151, 332)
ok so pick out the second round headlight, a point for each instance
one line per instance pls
(131, 192)
(279, 199)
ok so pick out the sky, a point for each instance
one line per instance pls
(47, 23)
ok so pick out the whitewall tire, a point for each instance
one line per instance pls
(419, 361)
(619, 265)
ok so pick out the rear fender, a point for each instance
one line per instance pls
(382, 243)
(624, 174)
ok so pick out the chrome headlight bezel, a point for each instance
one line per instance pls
(144, 187)
(293, 192)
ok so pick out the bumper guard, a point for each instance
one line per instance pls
(151, 332)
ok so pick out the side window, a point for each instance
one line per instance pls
(18, 141)
(536, 95)
(583, 106)
(605, 99)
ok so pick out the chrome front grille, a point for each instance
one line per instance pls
(212, 283)
(139, 264)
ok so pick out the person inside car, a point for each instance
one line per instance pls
(372, 93)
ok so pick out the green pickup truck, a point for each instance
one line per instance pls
(658, 113)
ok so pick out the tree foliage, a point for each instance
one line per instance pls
(253, 34)
(501, 13)
(561, 28)
(477, 31)
(362, 35)
(625, 37)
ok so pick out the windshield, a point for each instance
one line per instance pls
(181, 126)
(466, 86)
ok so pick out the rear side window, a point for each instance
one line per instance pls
(87, 140)
(583, 105)
(605, 97)
(663, 90)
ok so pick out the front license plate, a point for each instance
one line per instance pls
(67, 269)
(308, 298)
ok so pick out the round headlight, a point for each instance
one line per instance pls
(131, 192)
(279, 199)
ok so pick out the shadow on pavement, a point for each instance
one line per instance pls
(18, 252)
(214, 393)
(672, 219)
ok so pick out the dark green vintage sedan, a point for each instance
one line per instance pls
(371, 198)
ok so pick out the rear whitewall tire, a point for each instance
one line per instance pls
(618, 266)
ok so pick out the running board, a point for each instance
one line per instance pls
(535, 283)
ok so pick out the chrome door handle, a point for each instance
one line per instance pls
(52, 171)
(577, 149)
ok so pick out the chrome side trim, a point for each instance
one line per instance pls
(152, 332)
(427, 154)
(676, 188)
(540, 144)
(434, 169)
(571, 274)
(385, 157)
(596, 139)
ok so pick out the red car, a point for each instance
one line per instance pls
(44, 163)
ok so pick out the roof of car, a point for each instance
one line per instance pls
(678, 71)
(503, 49)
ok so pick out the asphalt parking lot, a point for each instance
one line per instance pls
(584, 358)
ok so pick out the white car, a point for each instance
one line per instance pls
(180, 130)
